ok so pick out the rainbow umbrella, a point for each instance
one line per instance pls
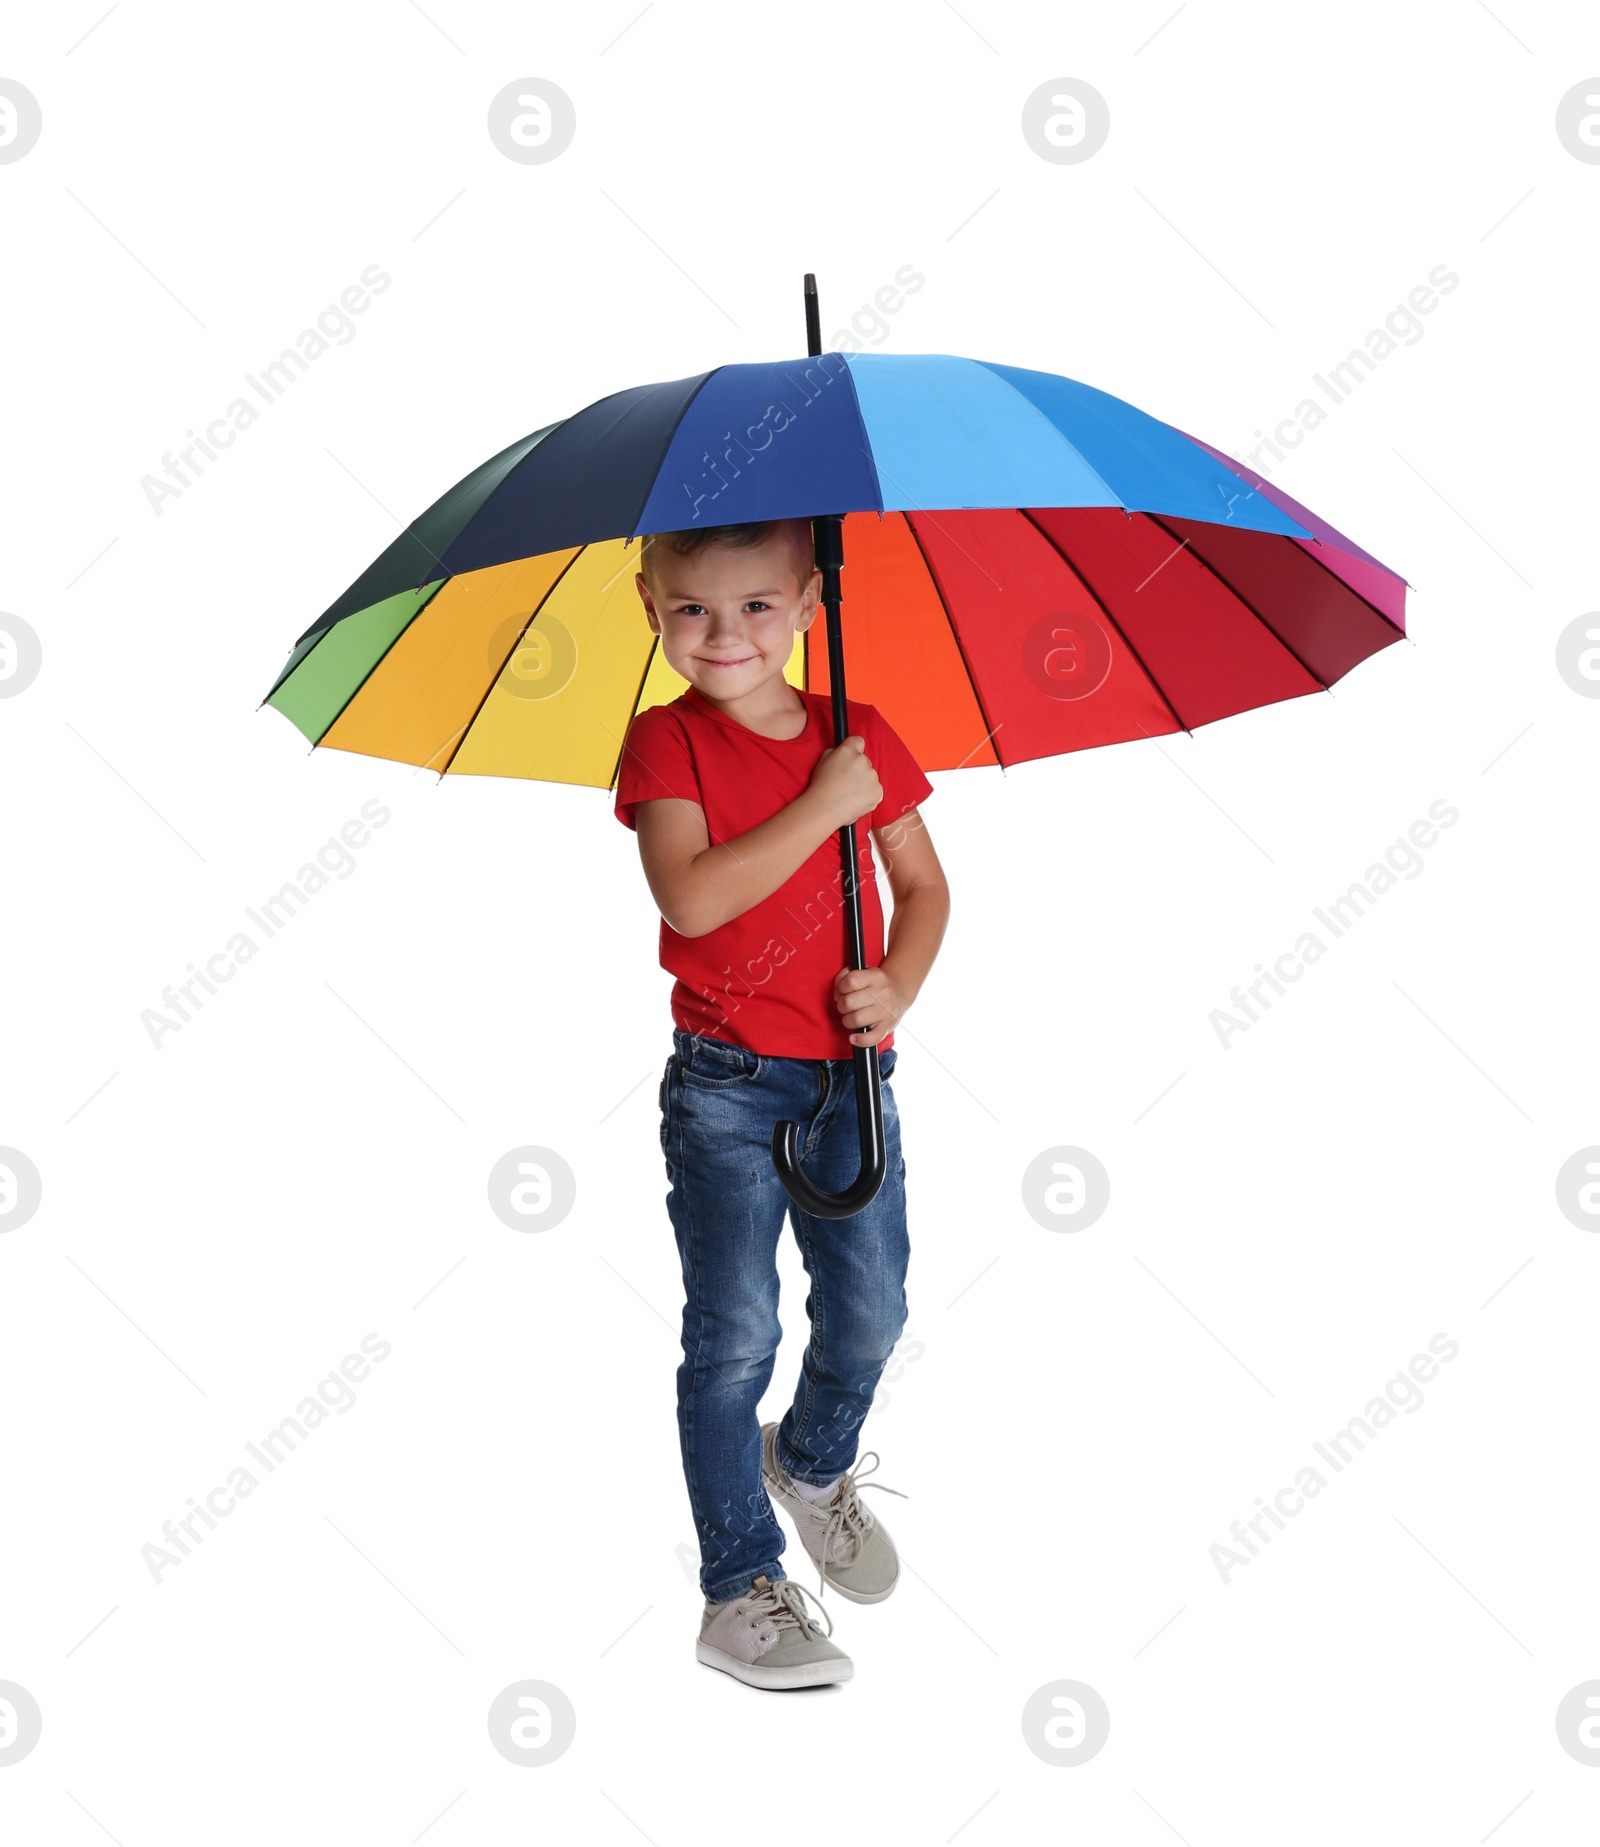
(1035, 567)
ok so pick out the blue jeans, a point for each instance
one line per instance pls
(727, 1206)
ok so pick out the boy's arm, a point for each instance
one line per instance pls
(699, 886)
(872, 1001)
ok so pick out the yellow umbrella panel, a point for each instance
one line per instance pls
(531, 669)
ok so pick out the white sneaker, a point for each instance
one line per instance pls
(766, 1639)
(849, 1544)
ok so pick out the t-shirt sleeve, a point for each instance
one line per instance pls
(655, 763)
(904, 785)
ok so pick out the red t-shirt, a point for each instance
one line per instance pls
(764, 979)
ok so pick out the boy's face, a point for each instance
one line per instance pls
(727, 618)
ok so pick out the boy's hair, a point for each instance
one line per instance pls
(797, 533)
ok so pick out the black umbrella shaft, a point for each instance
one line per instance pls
(827, 537)
(827, 533)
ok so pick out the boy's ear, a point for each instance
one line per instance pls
(649, 603)
(810, 598)
(810, 602)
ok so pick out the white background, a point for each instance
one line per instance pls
(305, 1162)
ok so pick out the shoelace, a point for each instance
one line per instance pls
(847, 1520)
(779, 1603)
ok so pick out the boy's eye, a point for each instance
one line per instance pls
(698, 609)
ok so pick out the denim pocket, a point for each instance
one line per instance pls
(714, 1064)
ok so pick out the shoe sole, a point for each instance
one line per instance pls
(753, 1674)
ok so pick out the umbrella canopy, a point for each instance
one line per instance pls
(1032, 567)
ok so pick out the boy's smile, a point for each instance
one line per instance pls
(727, 618)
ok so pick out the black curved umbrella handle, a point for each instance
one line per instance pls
(874, 1163)
(869, 1094)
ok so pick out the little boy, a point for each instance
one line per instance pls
(737, 792)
